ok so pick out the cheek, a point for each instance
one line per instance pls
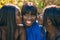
(30, 21)
(49, 23)
(33, 20)
(18, 20)
(24, 19)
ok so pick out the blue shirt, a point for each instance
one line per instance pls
(34, 32)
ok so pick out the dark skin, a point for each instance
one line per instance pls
(40, 19)
(29, 19)
(50, 27)
(22, 30)
(22, 33)
(51, 30)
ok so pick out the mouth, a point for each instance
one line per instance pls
(28, 22)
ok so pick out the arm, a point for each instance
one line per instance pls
(21, 35)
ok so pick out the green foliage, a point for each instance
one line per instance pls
(40, 5)
(59, 3)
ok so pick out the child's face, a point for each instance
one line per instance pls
(28, 19)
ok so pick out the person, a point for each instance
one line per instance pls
(40, 22)
(29, 16)
(10, 23)
(40, 19)
(51, 21)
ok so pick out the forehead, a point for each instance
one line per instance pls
(29, 10)
(30, 13)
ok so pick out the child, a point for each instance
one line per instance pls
(33, 30)
(9, 23)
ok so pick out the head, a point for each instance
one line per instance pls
(51, 21)
(9, 18)
(51, 17)
(29, 14)
(10, 12)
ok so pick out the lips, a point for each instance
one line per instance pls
(29, 22)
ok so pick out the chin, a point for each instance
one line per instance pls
(28, 25)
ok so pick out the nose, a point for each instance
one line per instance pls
(29, 17)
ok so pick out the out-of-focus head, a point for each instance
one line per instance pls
(10, 13)
(52, 16)
(29, 13)
(10, 17)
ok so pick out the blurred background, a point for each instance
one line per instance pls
(39, 3)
